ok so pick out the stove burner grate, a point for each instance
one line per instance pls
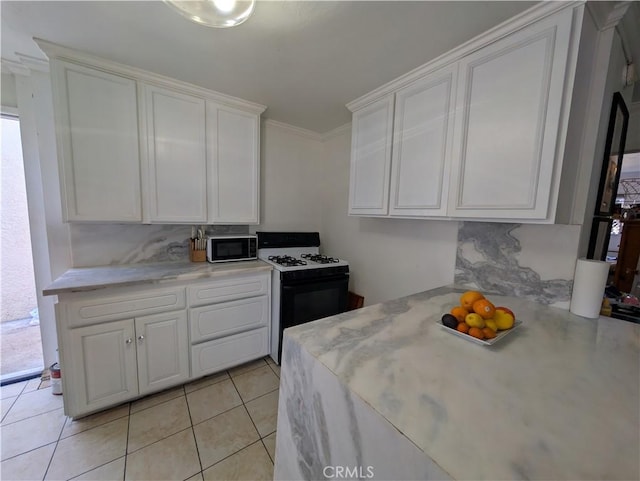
(287, 261)
(320, 258)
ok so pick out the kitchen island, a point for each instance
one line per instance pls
(385, 392)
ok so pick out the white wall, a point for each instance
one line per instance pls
(8, 86)
(388, 258)
(289, 188)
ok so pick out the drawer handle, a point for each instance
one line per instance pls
(128, 341)
(140, 338)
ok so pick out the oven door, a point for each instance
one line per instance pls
(308, 300)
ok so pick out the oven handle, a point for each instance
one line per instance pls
(322, 280)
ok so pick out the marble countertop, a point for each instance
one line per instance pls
(92, 278)
(556, 399)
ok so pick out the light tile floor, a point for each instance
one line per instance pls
(219, 427)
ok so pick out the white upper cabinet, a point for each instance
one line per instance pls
(422, 133)
(479, 133)
(177, 157)
(233, 146)
(371, 141)
(134, 146)
(98, 144)
(508, 107)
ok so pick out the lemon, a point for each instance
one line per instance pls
(504, 320)
(491, 324)
(474, 320)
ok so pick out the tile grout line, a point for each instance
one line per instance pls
(234, 453)
(29, 417)
(193, 432)
(97, 425)
(260, 438)
(126, 445)
(55, 448)
(248, 370)
(15, 398)
(29, 451)
(268, 453)
(244, 405)
(111, 461)
(128, 415)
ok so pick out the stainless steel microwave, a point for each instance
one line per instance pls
(229, 248)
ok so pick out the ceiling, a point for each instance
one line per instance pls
(304, 60)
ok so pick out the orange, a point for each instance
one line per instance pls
(489, 333)
(463, 327)
(459, 313)
(484, 308)
(468, 298)
(476, 332)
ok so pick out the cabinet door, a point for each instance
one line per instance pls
(163, 350)
(177, 170)
(103, 367)
(422, 136)
(508, 117)
(371, 158)
(98, 144)
(233, 141)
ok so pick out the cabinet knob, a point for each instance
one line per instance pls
(140, 338)
(128, 341)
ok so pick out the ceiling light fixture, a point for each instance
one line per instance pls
(214, 13)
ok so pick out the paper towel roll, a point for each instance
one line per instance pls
(588, 287)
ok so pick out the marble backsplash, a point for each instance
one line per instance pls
(114, 244)
(530, 261)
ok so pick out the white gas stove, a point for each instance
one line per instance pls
(305, 285)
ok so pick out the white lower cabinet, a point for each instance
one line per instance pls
(124, 343)
(233, 327)
(99, 366)
(116, 361)
(163, 359)
(214, 356)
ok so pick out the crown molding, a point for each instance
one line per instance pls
(607, 14)
(33, 63)
(25, 65)
(55, 51)
(532, 15)
(628, 27)
(309, 134)
(343, 129)
(11, 66)
(11, 111)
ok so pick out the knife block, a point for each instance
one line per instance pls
(196, 255)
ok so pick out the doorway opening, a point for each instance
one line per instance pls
(21, 344)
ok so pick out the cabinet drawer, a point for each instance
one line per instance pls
(214, 356)
(94, 310)
(228, 289)
(210, 322)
